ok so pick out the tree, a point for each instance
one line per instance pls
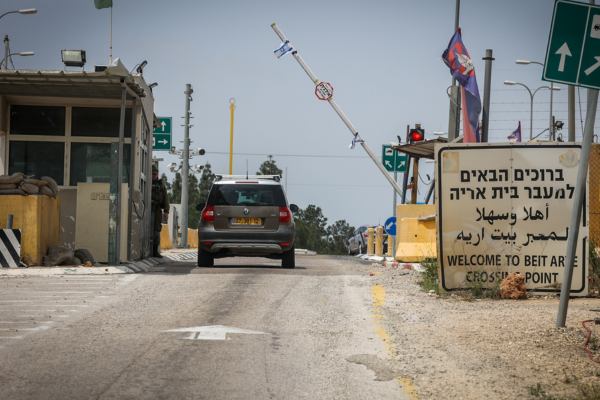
(337, 237)
(311, 229)
(269, 167)
(197, 192)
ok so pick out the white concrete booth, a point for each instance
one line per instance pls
(61, 124)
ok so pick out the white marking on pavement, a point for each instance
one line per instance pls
(215, 332)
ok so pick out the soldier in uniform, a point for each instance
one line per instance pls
(160, 201)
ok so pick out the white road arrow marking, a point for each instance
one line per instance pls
(164, 141)
(215, 332)
(164, 123)
(564, 52)
(388, 163)
(593, 67)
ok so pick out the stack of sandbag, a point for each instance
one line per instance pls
(18, 183)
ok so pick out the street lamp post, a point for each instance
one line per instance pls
(23, 11)
(23, 54)
(526, 62)
(531, 108)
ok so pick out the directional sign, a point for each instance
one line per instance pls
(214, 332)
(390, 226)
(573, 52)
(162, 135)
(392, 160)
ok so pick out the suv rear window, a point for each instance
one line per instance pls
(247, 195)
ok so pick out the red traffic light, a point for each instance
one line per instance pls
(416, 135)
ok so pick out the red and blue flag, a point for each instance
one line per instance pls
(461, 67)
(516, 135)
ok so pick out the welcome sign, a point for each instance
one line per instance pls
(505, 208)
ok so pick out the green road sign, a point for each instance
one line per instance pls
(162, 135)
(392, 160)
(573, 52)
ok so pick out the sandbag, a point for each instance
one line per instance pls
(59, 258)
(14, 178)
(51, 183)
(29, 188)
(84, 255)
(8, 185)
(13, 191)
(36, 182)
(45, 190)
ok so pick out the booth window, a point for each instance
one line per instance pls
(37, 120)
(37, 159)
(90, 162)
(99, 122)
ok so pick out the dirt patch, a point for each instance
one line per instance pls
(450, 348)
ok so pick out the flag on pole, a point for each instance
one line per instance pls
(281, 51)
(516, 135)
(103, 4)
(356, 139)
(461, 67)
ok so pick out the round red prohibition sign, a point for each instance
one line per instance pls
(324, 91)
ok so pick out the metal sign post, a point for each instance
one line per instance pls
(321, 90)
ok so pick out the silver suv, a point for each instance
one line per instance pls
(246, 216)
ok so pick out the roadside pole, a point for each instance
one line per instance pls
(185, 170)
(314, 79)
(394, 215)
(584, 162)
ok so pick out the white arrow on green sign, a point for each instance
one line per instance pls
(392, 160)
(573, 52)
(161, 139)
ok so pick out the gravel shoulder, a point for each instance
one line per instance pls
(452, 348)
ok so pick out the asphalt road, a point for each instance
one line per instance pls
(245, 329)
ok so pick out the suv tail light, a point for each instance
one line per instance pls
(208, 214)
(285, 214)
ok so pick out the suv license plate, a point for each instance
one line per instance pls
(245, 221)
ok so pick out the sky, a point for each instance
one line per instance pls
(382, 57)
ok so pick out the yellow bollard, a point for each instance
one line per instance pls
(390, 244)
(370, 246)
(379, 241)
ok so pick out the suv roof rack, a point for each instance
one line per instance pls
(276, 178)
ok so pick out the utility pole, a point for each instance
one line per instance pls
(571, 100)
(487, 85)
(454, 118)
(185, 170)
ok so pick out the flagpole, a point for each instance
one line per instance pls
(339, 112)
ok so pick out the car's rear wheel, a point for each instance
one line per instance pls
(205, 259)
(288, 259)
(363, 249)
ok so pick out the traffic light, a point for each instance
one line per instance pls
(416, 135)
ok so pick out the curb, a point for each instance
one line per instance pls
(130, 268)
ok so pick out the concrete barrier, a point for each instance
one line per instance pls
(416, 240)
(192, 238)
(38, 218)
(165, 238)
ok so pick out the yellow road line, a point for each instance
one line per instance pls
(378, 293)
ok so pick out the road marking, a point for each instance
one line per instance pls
(215, 332)
(378, 294)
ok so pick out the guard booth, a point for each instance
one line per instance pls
(61, 124)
